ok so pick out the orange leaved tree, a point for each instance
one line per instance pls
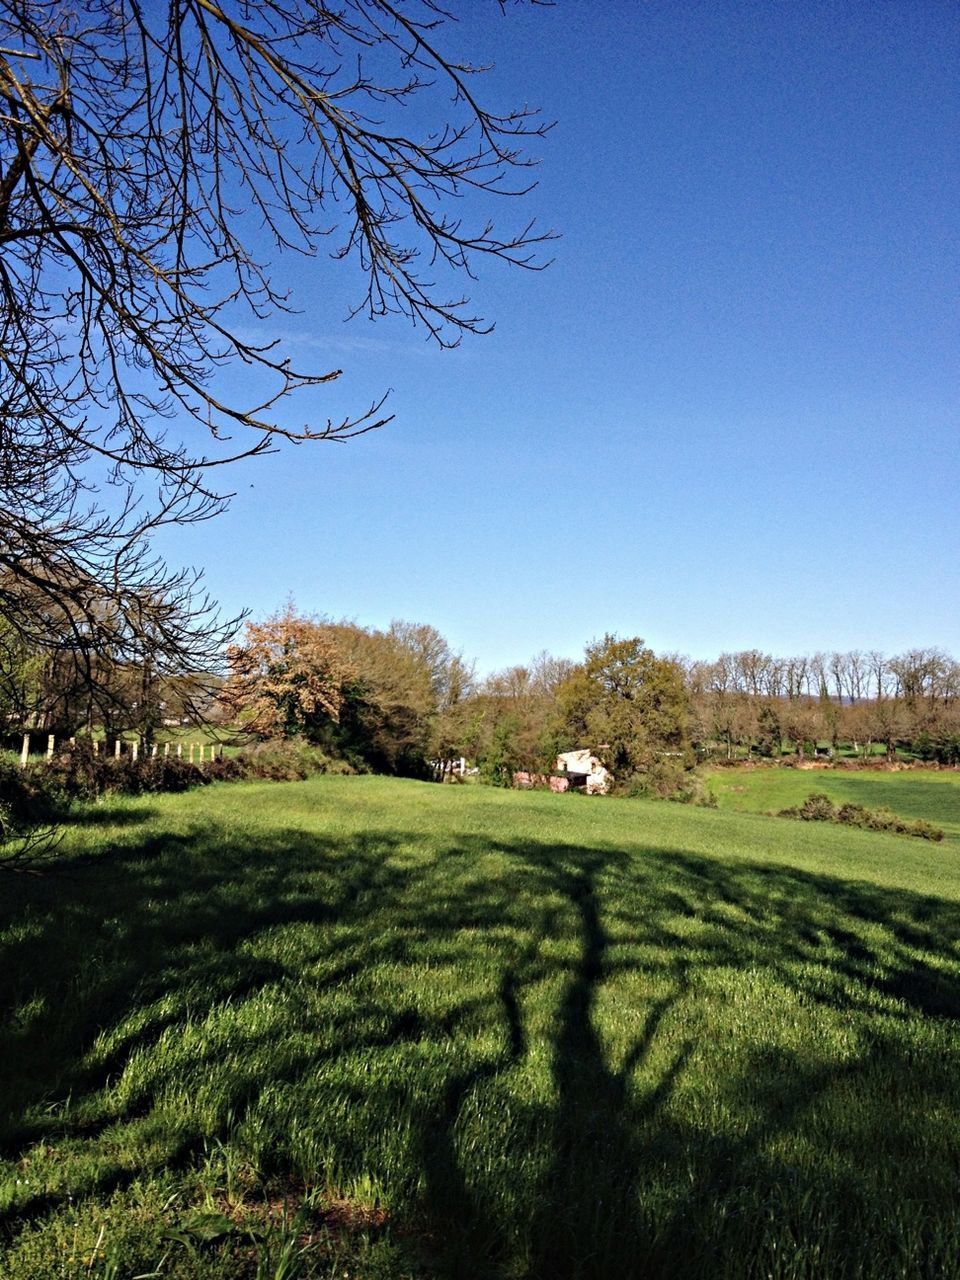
(287, 679)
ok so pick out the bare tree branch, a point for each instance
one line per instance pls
(143, 148)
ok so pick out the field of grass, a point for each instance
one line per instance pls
(930, 794)
(357, 1027)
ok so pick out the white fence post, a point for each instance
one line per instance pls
(133, 751)
(116, 749)
(166, 750)
(25, 751)
(51, 743)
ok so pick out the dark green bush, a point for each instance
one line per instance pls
(668, 778)
(29, 808)
(27, 795)
(82, 774)
(287, 760)
(820, 808)
(225, 769)
(43, 789)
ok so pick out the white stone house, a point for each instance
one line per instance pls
(584, 769)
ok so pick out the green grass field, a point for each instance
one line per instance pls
(930, 794)
(364, 1028)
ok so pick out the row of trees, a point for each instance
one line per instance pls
(402, 701)
(743, 703)
(917, 676)
(381, 699)
(736, 722)
(751, 701)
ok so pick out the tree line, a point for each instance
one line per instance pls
(844, 677)
(755, 702)
(402, 700)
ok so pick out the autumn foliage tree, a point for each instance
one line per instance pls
(287, 680)
(375, 698)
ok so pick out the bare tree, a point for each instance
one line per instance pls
(140, 146)
(856, 675)
(837, 666)
(877, 666)
(547, 673)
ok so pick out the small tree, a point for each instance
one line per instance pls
(802, 723)
(890, 723)
(769, 732)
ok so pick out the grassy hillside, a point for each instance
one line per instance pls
(361, 1027)
(928, 794)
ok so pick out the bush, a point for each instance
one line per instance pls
(29, 795)
(29, 807)
(695, 791)
(820, 808)
(225, 769)
(816, 808)
(286, 760)
(82, 774)
(667, 778)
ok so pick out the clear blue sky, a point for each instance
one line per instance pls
(725, 417)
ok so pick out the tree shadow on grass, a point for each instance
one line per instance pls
(640, 1185)
(652, 1145)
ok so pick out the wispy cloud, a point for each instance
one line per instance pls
(335, 345)
(298, 339)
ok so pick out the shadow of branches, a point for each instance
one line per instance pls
(552, 1061)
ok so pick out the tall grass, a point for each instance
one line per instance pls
(371, 1028)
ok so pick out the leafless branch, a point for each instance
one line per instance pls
(143, 148)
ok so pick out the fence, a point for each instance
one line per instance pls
(183, 751)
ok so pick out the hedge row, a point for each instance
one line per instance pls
(42, 792)
(820, 808)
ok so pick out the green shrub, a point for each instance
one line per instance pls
(820, 808)
(816, 808)
(668, 778)
(29, 806)
(82, 774)
(287, 760)
(28, 795)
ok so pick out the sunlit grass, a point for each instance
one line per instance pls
(378, 1028)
